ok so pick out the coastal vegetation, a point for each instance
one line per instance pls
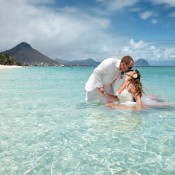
(7, 59)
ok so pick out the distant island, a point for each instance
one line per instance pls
(24, 54)
(142, 63)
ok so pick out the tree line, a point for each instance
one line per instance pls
(7, 59)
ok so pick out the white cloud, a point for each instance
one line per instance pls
(137, 45)
(146, 15)
(169, 53)
(167, 2)
(60, 33)
(154, 21)
(149, 50)
(69, 33)
(114, 5)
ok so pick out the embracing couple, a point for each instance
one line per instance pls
(100, 85)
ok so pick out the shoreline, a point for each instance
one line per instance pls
(2, 67)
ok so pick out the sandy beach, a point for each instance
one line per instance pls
(2, 67)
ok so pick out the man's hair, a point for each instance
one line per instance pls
(127, 59)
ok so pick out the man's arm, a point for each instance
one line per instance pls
(111, 97)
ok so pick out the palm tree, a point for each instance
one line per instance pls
(7, 59)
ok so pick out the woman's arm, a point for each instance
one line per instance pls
(139, 102)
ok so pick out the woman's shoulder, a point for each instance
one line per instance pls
(131, 87)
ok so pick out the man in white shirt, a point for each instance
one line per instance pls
(100, 85)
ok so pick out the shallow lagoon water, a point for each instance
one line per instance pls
(47, 128)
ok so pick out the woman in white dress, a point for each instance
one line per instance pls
(130, 94)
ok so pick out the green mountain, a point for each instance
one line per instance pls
(25, 54)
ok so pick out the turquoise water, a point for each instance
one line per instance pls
(47, 129)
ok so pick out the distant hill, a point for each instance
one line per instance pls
(141, 62)
(25, 54)
(91, 62)
(86, 62)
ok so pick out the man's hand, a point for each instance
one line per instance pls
(101, 90)
(108, 96)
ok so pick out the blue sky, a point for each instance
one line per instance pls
(79, 29)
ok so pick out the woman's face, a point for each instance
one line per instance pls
(130, 73)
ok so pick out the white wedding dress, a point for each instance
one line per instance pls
(126, 98)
